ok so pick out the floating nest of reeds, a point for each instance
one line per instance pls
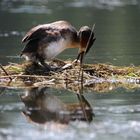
(95, 77)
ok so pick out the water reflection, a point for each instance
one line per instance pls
(42, 107)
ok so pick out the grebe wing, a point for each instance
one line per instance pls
(36, 33)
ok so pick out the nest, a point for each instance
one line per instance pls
(97, 77)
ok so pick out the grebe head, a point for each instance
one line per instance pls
(86, 37)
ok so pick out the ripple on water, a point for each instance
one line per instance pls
(23, 6)
(104, 130)
(77, 130)
(31, 9)
(11, 33)
(11, 107)
(102, 4)
(126, 109)
(40, 7)
(125, 130)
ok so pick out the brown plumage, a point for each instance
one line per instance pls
(44, 42)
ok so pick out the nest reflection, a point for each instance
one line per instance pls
(42, 107)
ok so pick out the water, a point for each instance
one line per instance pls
(110, 115)
(114, 115)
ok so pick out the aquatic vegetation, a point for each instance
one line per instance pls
(94, 77)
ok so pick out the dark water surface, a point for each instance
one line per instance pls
(112, 115)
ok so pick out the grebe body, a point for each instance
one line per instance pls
(44, 42)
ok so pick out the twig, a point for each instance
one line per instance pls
(50, 82)
(6, 73)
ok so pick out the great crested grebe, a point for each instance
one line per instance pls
(46, 41)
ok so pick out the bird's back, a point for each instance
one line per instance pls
(63, 27)
(41, 36)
